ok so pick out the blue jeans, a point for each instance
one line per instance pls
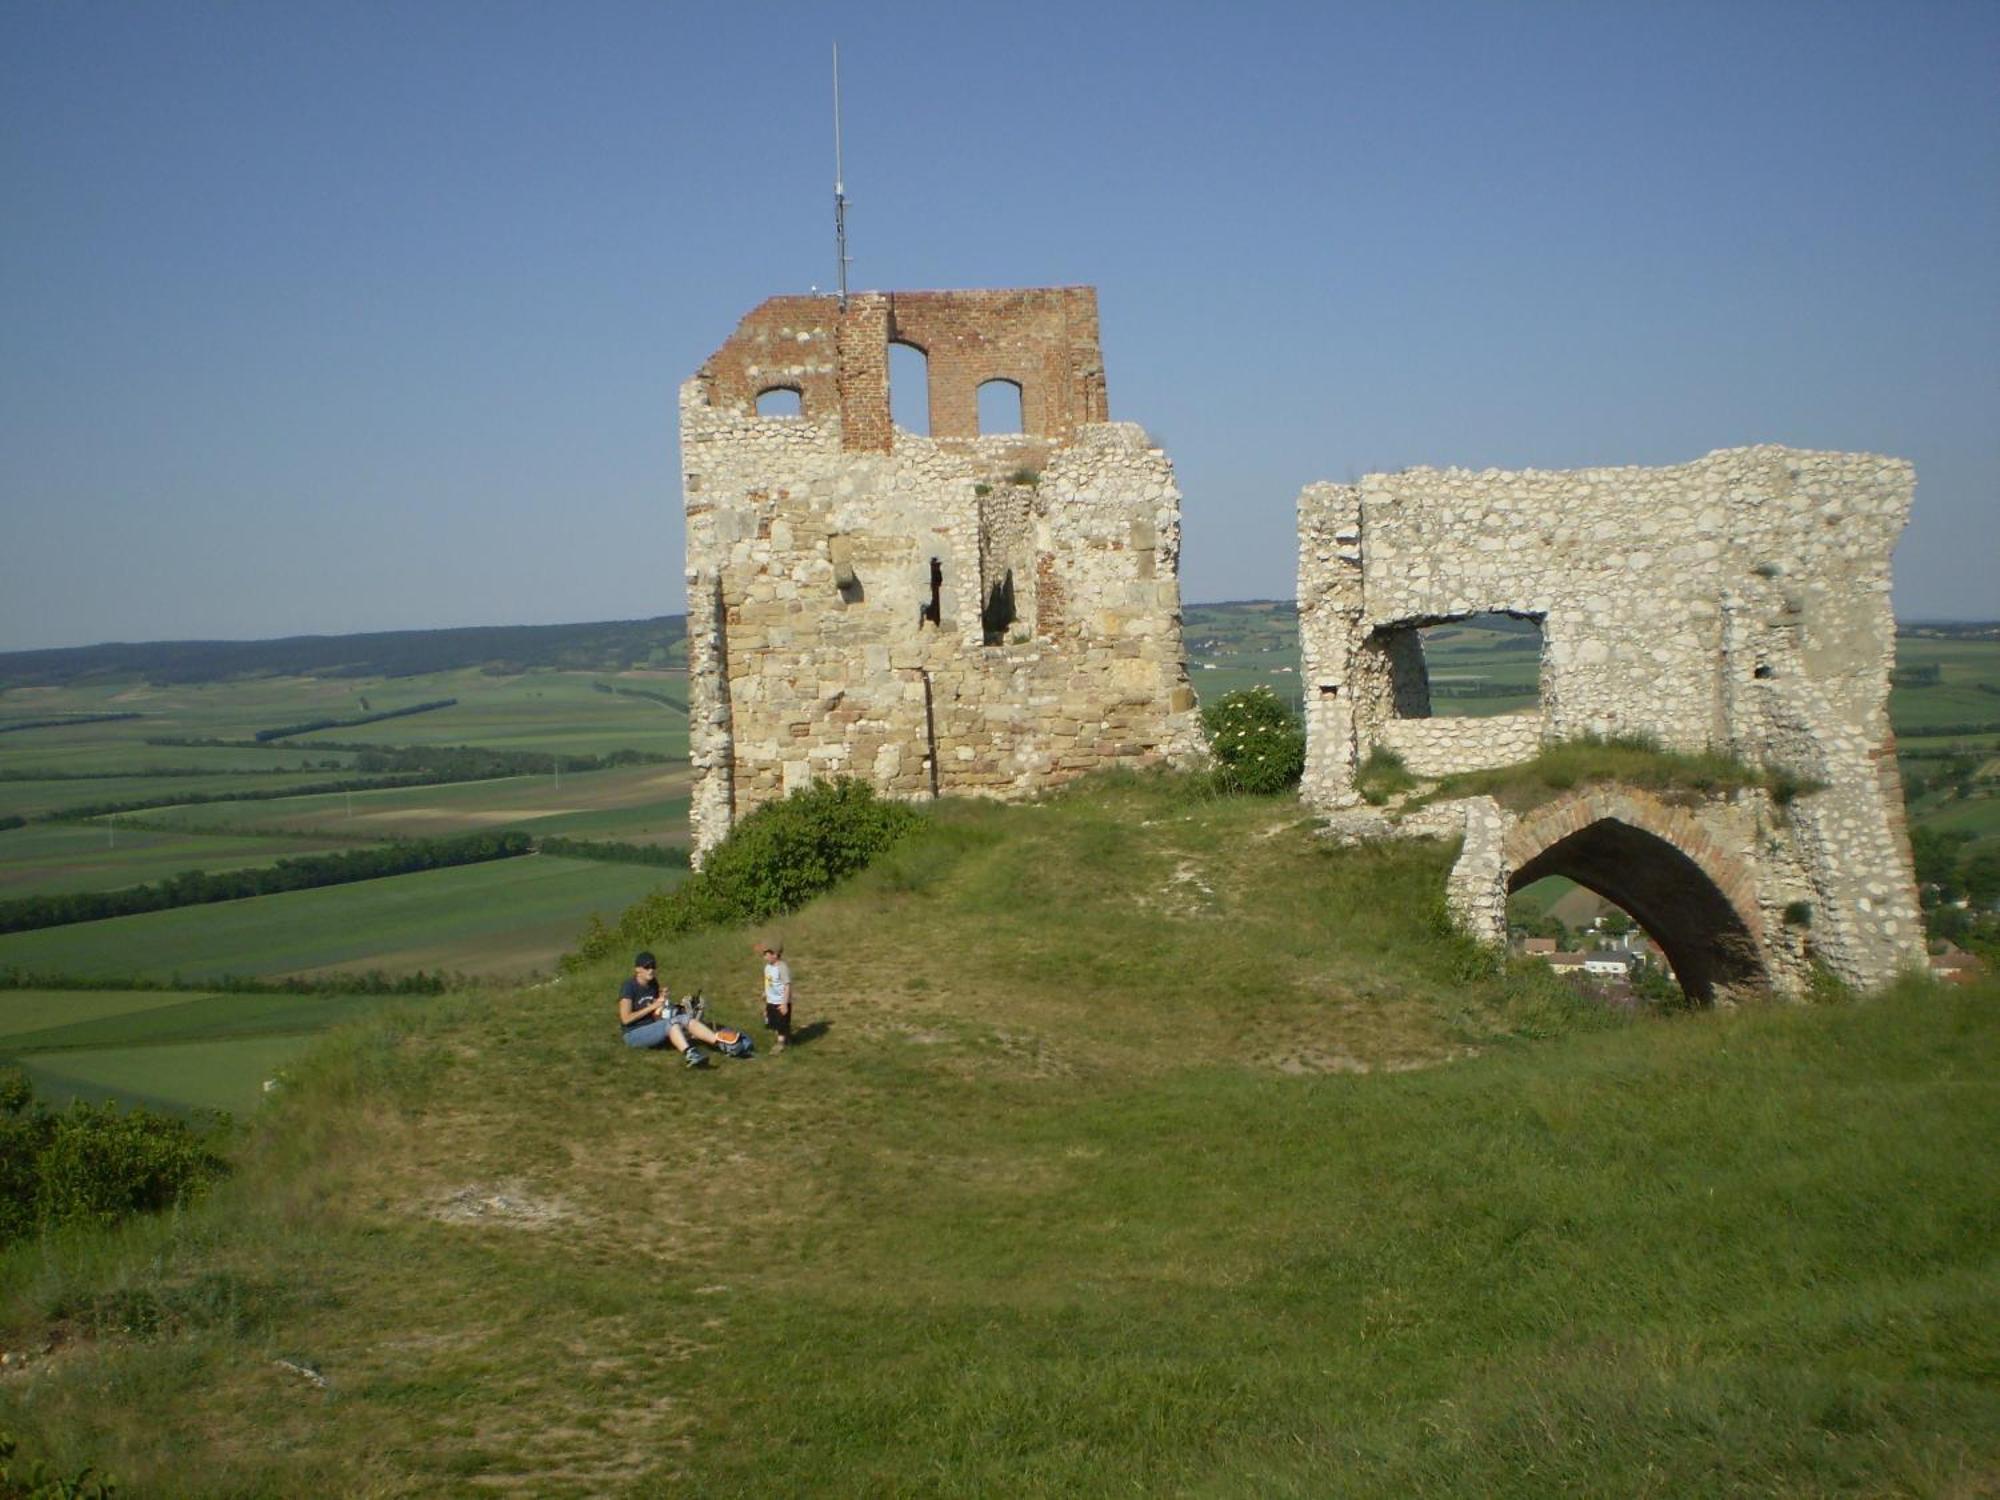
(648, 1034)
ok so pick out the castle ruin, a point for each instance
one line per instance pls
(963, 612)
(1739, 603)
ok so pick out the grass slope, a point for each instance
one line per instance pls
(1143, 1145)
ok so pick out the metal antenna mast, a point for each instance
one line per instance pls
(839, 186)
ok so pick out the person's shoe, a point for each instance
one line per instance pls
(782, 1043)
(694, 1057)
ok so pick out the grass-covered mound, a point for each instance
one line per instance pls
(1142, 1144)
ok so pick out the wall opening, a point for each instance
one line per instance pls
(997, 615)
(910, 388)
(1000, 407)
(781, 401)
(1466, 666)
(933, 612)
(1702, 940)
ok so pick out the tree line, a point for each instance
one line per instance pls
(309, 726)
(69, 720)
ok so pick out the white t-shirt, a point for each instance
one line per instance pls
(777, 983)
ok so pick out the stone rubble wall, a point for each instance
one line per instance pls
(813, 650)
(1444, 747)
(1738, 603)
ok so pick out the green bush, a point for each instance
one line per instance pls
(1257, 740)
(39, 1482)
(92, 1163)
(773, 861)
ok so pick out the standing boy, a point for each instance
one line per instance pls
(778, 993)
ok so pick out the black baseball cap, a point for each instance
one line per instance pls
(644, 961)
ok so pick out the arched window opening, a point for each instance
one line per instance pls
(1473, 666)
(910, 389)
(1000, 407)
(781, 401)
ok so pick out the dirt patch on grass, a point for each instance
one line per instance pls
(508, 1205)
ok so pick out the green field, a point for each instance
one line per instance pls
(551, 712)
(49, 858)
(167, 1049)
(35, 799)
(635, 804)
(507, 917)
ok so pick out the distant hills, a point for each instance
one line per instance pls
(605, 646)
(602, 646)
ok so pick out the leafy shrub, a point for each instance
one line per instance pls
(92, 1163)
(39, 1482)
(1257, 740)
(773, 861)
(102, 1163)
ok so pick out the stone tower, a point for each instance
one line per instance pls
(954, 613)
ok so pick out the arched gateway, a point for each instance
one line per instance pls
(1738, 604)
(1660, 864)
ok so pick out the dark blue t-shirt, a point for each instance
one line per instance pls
(639, 994)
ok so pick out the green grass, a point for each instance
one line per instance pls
(507, 917)
(1559, 768)
(1147, 1146)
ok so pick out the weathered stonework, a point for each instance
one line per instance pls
(1739, 603)
(947, 614)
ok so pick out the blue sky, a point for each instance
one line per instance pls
(321, 318)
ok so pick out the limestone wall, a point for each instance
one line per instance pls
(1441, 747)
(958, 614)
(1740, 603)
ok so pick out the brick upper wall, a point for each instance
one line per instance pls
(1043, 339)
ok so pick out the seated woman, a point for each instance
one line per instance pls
(649, 1019)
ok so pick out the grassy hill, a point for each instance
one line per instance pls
(1142, 1144)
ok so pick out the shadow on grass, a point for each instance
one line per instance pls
(806, 1035)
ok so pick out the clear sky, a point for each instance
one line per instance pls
(335, 317)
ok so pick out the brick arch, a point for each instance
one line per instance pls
(1695, 899)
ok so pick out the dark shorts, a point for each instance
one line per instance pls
(778, 1018)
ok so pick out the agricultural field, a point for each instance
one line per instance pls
(164, 1048)
(632, 804)
(99, 855)
(1486, 665)
(228, 807)
(506, 917)
(1235, 646)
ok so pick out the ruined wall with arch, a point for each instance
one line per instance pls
(951, 612)
(1739, 603)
